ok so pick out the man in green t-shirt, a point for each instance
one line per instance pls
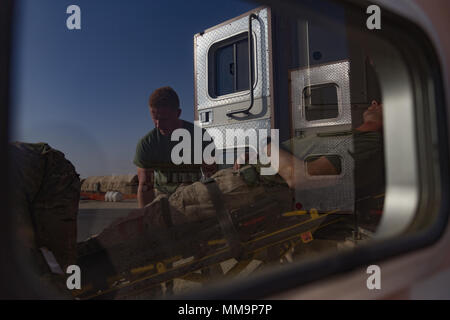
(156, 170)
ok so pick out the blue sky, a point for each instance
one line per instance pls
(85, 92)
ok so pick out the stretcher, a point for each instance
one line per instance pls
(200, 247)
(196, 250)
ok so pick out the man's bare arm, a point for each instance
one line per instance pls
(290, 167)
(145, 193)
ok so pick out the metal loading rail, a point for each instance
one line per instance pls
(206, 247)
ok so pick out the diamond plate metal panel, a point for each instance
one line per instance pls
(205, 41)
(337, 73)
(229, 143)
(326, 193)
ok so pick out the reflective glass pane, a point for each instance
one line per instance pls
(224, 70)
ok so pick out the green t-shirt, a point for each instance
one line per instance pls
(368, 153)
(153, 151)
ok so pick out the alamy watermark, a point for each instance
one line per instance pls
(182, 153)
(73, 21)
(374, 20)
(74, 280)
(374, 280)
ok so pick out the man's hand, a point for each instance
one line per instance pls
(245, 158)
(209, 169)
(145, 194)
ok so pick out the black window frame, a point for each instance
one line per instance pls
(212, 51)
(426, 65)
(317, 86)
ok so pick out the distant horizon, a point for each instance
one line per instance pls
(85, 92)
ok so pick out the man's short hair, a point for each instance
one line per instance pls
(164, 97)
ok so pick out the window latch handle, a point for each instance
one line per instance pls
(250, 69)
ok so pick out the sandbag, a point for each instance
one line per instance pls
(126, 184)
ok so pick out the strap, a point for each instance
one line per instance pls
(178, 176)
(165, 211)
(225, 222)
(51, 261)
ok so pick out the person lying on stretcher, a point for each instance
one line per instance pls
(368, 153)
(244, 187)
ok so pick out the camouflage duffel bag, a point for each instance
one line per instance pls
(46, 192)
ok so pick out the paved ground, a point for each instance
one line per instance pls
(95, 204)
(94, 216)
